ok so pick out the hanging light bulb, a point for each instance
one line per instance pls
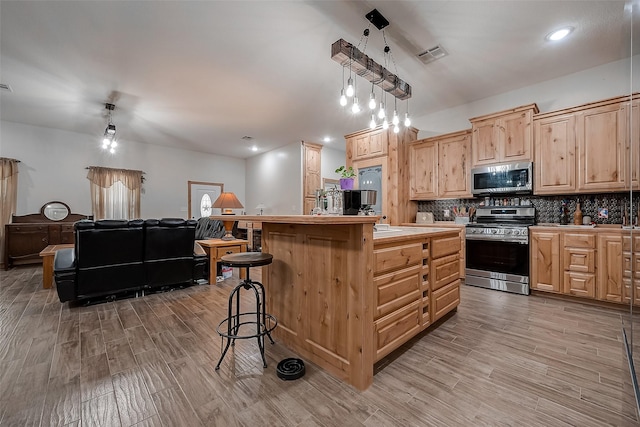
(105, 143)
(355, 108)
(381, 113)
(114, 144)
(372, 99)
(395, 120)
(350, 89)
(385, 124)
(343, 98)
(407, 120)
(112, 150)
(372, 123)
(396, 129)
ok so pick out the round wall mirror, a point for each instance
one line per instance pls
(55, 211)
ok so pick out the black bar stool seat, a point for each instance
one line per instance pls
(229, 328)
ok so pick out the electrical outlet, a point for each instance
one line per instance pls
(447, 213)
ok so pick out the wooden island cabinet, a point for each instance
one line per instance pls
(345, 296)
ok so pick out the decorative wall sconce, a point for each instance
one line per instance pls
(361, 65)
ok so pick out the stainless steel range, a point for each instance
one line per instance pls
(497, 248)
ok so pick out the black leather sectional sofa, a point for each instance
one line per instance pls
(113, 257)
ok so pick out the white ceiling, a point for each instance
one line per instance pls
(202, 74)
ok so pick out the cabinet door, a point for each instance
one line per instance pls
(555, 164)
(377, 143)
(601, 148)
(453, 172)
(423, 170)
(580, 284)
(633, 143)
(545, 261)
(515, 136)
(484, 145)
(362, 146)
(312, 169)
(610, 268)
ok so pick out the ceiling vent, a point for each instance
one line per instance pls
(5, 87)
(432, 54)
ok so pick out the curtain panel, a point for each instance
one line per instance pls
(115, 193)
(8, 197)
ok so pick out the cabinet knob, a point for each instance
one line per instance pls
(229, 252)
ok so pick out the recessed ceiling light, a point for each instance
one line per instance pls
(254, 148)
(559, 34)
(327, 139)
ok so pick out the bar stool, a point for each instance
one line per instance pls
(229, 328)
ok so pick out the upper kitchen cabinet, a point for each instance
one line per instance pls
(439, 167)
(555, 146)
(503, 137)
(366, 144)
(586, 149)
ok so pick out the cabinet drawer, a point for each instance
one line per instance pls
(397, 289)
(582, 260)
(220, 252)
(580, 284)
(445, 299)
(444, 270)
(387, 258)
(29, 228)
(445, 246)
(580, 240)
(396, 328)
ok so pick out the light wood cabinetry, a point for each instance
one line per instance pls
(312, 175)
(545, 261)
(631, 270)
(506, 136)
(586, 149)
(368, 144)
(555, 163)
(439, 167)
(416, 282)
(389, 151)
(610, 267)
(423, 170)
(579, 262)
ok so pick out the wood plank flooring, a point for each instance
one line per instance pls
(500, 360)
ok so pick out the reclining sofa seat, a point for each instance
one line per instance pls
(169, 252)
(114, 256)
(108, 258)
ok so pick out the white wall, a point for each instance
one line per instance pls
(594, 84)
(331, 160)
(53, 168)
(275, 179)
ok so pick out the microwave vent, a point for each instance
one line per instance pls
(432, 54)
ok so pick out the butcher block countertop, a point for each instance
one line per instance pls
(301, 219)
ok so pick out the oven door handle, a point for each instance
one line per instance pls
(493, 239)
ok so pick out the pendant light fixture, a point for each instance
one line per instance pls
(109, 139)
(362, 65)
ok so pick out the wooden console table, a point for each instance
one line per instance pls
(216, 248)
(47, 255)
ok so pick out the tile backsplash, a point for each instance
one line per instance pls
(548, 208)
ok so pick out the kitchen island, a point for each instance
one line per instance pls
(346, 296)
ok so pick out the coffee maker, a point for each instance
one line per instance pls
(358, 202)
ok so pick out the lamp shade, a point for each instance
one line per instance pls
(227, 201)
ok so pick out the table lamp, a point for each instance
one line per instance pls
(260, 208)
(227, 202)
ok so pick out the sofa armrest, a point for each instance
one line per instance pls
(64, 260)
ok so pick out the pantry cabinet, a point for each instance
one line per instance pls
(503, 137)
(439, 167)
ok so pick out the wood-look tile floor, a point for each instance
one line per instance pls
(500, 360)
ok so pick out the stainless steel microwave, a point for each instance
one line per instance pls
(514, 178)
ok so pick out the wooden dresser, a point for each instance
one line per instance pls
(27, 235)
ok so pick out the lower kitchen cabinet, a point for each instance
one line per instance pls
(610, 267)
(545, 261)
(579, 262)
(416, 282)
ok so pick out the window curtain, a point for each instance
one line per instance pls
(8, 197)
(115, 193)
